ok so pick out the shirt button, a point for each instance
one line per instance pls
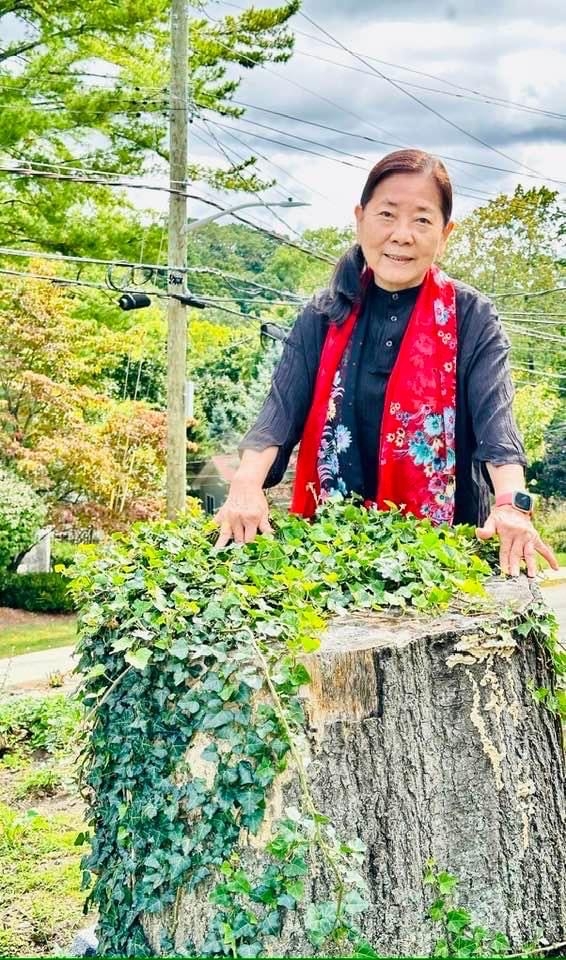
(393, 319)
(389, 343)
(394, 296)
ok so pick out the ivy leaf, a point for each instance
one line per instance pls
(364, 951)
(271, 925)
(296, 889)
(214, 720)
(97, 671)
(179, 648)
(138, 658)
(457, 920)
(122, 643)
(249, 950)
(354, 903)
(446, 883)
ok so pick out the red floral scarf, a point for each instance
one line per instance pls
(417, 462)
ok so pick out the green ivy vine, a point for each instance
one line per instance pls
(178, 641)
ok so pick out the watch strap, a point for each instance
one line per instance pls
(504, 499)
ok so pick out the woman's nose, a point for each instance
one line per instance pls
(401, 232)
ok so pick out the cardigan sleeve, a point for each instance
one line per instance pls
(282, 417)
(490, 392)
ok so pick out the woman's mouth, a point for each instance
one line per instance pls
(395, 259)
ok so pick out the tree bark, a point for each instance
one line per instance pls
(425, 741)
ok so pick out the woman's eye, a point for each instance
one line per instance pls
(423, 220)
(385, 213)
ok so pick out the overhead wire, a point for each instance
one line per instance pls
(359, 136)
(418, 100)
(479, 98)
(370, 123)
(282, 220)
(540, 336)
(70, 282)
(525, 294)
(276, 166)
(537, 371)
(475, 95)
(259, 193)
(473, 194)
(421, 73)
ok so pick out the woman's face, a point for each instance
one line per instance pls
(401, 230)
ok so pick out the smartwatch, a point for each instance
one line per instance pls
(519, 499)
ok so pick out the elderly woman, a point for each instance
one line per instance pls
(396, 382)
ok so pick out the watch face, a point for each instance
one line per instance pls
(523, 501)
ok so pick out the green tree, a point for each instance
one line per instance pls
(514, 243)
(535, 407)
(84, 86)
(22, 513)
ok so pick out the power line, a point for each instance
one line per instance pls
(292, 146)
(224, 152)
(475, 95)
(525, 293)
(516, 331)
(24, 171)
(421, 73)
(69, 282)
(537, 371)
(315, 153)
(529, 323)
(422, 103)
(519, 314)
(276, 166)
(387, 143)
(37, 254)
(265, 230)
(477, 98)
(253, 283)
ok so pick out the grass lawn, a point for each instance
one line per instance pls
(41, 902)
(41, 815)
(36, 633)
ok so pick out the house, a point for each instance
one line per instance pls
(212, 482)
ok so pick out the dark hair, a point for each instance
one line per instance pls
(346, 284)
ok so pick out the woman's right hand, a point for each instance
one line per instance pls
(244, 514)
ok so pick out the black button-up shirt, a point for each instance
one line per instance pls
(485, 427)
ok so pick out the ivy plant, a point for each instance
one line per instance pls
(459, 935)
(188, 651)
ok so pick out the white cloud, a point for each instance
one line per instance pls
(501, 49)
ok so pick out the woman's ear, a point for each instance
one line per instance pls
(445, 234)
(358, 213)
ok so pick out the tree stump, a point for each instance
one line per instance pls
(425, 741)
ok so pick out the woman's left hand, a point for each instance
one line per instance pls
(518, 540)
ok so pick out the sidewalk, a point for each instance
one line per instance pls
(552, 577)
(30, 671)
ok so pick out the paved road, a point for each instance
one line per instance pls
(31, 670)
(555, 596)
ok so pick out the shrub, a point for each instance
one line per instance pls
(550, 521)
(32, 723)
(63, 553)
(37, 592)
(22, 513)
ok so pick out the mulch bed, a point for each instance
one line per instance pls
(17, 618)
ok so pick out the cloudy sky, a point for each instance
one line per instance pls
(451, 57)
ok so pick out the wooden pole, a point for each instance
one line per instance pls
(177, 257)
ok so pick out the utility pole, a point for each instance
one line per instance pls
(177, 258)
